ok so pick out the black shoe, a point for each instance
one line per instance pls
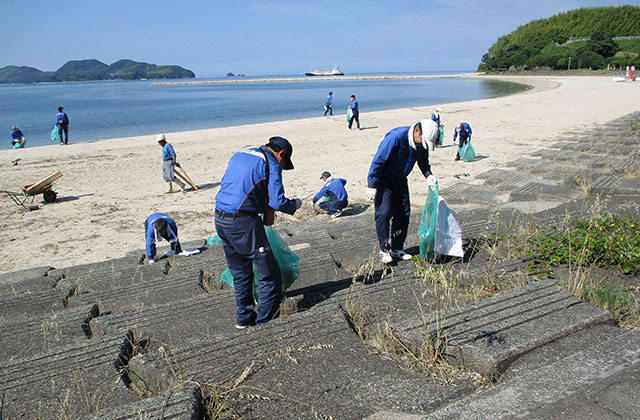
(457, 158)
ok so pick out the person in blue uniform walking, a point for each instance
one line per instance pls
(157, 227)
(252, 185)
(62, 122)
(338, 199)
(397, 154)
(328, 106)
(17, 138)
(169, 161)
(355, 114)
(464, 131)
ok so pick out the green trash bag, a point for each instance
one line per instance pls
(349, 113)
(467, 153)
(213, 240)
(441, 137)
(55, 134)
(288, 261)
(427, 229)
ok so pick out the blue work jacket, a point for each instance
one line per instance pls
(436, 118)
(329, 99)
(16, 135)
(464, 133)
(62, 116)
(152, 236)
(167, 152)
(354, 106)
(395, 158)
(333, 186)
(244, 185)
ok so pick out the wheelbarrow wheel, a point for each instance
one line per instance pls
(50, 196)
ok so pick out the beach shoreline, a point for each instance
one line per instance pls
(110, 186)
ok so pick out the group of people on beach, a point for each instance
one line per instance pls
(353, 113)
(18, 140)
(252, 190)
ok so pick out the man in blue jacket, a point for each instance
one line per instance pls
(157, 227)
(252, 185)
(397, 154)
(169, 161)
(464, 130)
(333, 188)
(62, 122)
(355, 114)
(17, 138)
(328, 106)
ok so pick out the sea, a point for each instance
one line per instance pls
(111, 109)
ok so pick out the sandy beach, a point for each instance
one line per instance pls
(109, 187)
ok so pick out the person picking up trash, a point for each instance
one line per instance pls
(252, 185)
(157, 227)
(168, 163)
(464, 130)
(388, 188)
(17, 138)
(334, 190)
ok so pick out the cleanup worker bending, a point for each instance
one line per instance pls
(464, 130)
(159, 226)
(397, 154)
(252, 185)
(338, 199)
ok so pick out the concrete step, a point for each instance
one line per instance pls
(489, 335)
(463, 193)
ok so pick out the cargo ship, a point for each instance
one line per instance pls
(335, 72)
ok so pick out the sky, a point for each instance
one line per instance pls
(212, 37)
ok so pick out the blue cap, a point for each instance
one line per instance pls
(283, 144)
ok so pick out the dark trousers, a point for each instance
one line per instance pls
(461, 142)
(63, 129)
(245, 243)
(332, 205)
(328, 108)
(356, 117)
(392, 211)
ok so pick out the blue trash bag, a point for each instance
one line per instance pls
(55, 134)
(427, 229)
(288, 261)
(467, 153)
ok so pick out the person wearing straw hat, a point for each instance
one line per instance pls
(251, 186)
(168, 163)
(388, 188)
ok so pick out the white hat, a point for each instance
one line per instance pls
(161, 137)
(430, 133)
(438, 109)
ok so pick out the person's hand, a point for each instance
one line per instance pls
(151, 261)
(298, 203)
(432, 181)
(371, 194)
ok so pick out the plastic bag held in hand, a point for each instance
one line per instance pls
(432, 181)
(371, 194)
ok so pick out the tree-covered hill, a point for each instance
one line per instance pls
(79, 70)
(582, 38)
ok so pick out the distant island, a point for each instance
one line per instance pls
(89, 70)
(586, 38)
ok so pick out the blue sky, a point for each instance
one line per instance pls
(267, 37)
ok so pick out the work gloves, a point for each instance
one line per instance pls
(298, 203)
(432, 181)
(371, 194)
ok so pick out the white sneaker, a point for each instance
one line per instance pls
(400, 254)
(386, 257)
(336, 214)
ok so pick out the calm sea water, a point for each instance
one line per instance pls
(102, 110)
